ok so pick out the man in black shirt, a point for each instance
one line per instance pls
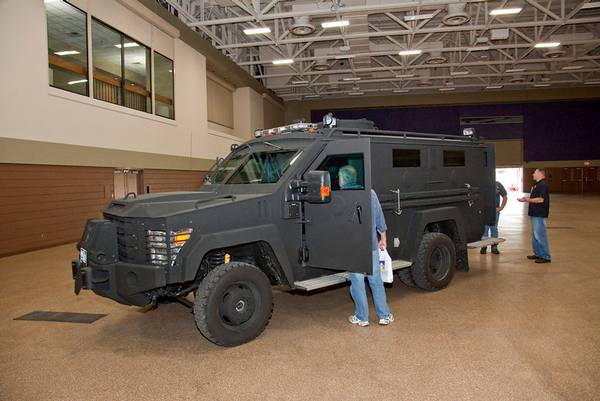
(539, 208)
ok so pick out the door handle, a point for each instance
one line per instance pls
(398, 210)
(359, 213)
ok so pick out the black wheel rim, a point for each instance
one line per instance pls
(439, 263)
(238, 304)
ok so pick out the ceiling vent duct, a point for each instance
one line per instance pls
(320, 65)
(436, 57)
(456, 15)
(302, 26)
(554, 53)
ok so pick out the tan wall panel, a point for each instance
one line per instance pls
(274, 114)
(220, 103)
(509, 153)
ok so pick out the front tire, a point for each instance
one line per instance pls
(233, 304)
(435, 262)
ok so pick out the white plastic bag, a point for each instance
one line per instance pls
(385, 265)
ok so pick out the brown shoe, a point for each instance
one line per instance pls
(542, 260)
(533, 257)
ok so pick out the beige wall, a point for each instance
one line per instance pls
(509, 153)
(35, 116)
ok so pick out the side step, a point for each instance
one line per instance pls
(485, 242)
(338, 278)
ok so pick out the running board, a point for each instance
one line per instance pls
(485, 242)
(338, 278)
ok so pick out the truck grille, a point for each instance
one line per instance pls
(131, 241)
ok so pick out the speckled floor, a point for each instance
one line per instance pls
(507, 330)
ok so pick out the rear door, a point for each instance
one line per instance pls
(339, 233)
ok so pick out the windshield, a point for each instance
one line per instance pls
(246, 167)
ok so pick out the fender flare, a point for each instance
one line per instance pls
(267, 233)
(424, 217)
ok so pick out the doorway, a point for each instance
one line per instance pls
(126, 181)
(511, 178)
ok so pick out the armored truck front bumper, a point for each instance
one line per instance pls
(126, 283)
(101, 267)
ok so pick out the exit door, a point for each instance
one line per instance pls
(126, 181)
(591, 180)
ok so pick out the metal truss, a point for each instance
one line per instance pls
(464, 45)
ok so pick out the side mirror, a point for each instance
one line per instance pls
(315, 188)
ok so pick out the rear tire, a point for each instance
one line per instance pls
(233, 304)
(406, 278)
(435, 262)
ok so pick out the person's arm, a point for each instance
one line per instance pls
(503, 204)
(383, 241)
(531, 200)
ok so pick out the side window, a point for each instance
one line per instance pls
(351, 169)
(454, 158)
(406, 157)
(67, 47)
(121, 68)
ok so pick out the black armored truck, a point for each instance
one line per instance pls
(272, 213)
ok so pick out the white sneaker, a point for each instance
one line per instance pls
(387, 320)
(354, 320)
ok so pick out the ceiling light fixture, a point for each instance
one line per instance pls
(283, 61)
(311, 96)
(478, 48)
(540, 85)
(494, 87)
(418, 17)
(335, 24)
(515, 70)
(446, 89)
(592, 4)
(356, 93)
(66, 52)
(400, 90)
(459, 73)
(128, 44)
(343, 56)
(257, 31)
(410, 52)
(545, 45)
(506, 11)
(592, 83)
(572, 67)
(79, 81)
(300, 82)
(351, 79)
(405, 75)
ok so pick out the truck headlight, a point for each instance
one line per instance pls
(163, 246)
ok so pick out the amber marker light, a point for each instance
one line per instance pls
(325, 191)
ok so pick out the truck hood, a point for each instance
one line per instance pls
(170, 203)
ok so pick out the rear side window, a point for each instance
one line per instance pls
(406, 157)
(454, 158)
(350, 167)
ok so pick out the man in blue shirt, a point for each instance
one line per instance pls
(493, 229)
(347, 181)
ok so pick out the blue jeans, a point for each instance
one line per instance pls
(539, 238)
(359, 292)
(492, 230)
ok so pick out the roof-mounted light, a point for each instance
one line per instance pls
(286, 129)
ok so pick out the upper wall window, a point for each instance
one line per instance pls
(454, 158)
(121, 68)
(163, 86)
(406, 157)
(67, 47)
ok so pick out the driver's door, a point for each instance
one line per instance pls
(339, 233)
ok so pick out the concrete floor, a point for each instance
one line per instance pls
(507, 330)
